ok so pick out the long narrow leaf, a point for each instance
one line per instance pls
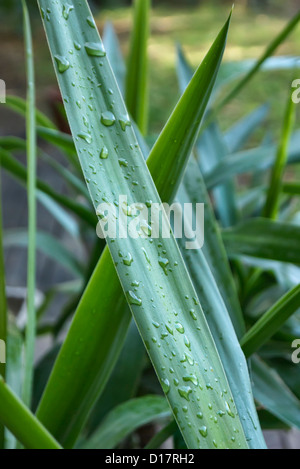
(271, 321)
(252, 72)
(213, 247)
(292, 188)
(137, 68)
(114, 53)
(237, 135)
(14, 371)
(126, 418)
(271, 392)
(256, 159)
(48, 245)
(110, 179)
(22, 423)
(223, 332)
(212, 150)
(264, 239)
(18, 171)
(19, 105)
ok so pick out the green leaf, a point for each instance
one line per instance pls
(221, 327)
(19, 105)
(264, 239)
(48, 245)
(194, 191)
(176, 285)
(292, 188)
(273, 194)
(69, 177)
(42, 372)
(238, 134)
(288, 372)
(271, 392)
(257, 66)
(127, 371)
(137, 67)
(162, 436)
(230, 71)
(271, 322)
(62, 141)
(256, 159)
(114, 53)
(125, 419)
(67, 221)
(212, 149)
(14, 370)
(19, 172)
(22, 423)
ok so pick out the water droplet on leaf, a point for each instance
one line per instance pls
(108, 119)
(95, 49)
(62, 63)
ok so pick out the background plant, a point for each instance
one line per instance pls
(83, 397)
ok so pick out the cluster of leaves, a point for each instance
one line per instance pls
(201, 313)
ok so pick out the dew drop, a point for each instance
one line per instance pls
(123, 162)
(128, 260)
(67, 10)
(228, 410)
(179, 327)
(187, 343)
(163, 262)
(203, 431)
(147, 230)
(133, 299)
(185, 391)
(193, 314)
(108, 119)
(165, 385)
(191, 378)
(124, 122)
(62, 63)
(146, 256)
(104, 153)
(85, 136)
(95, 49)
(91, 22)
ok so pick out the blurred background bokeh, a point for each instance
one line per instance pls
(193, 23)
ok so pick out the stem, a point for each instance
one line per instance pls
(272, 202)
(3, 311)
(31, 191)
(268, 52)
